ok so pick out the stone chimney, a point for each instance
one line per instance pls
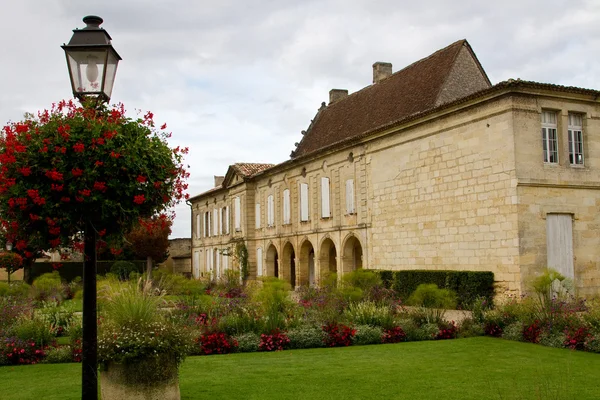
(219, 180)
(381, 70)
(337, 95)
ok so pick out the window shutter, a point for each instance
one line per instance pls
(208, 260)
(303, 202)
(227, 220)
(559, 243)
(218, 258)
(286, 206)
(325, 210)
(198, 226)
(238, 214)
(220, 221)
(225, 262)
(257, 215)
(350, 196)
(270, 213)
(259, 266)
(209, 223)
(215, 222)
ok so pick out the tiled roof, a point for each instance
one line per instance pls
(409, 91)
(246, 170)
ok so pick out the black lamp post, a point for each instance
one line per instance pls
(92, 63)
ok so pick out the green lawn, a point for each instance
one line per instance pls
(476, 368)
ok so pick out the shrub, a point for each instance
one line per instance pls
(10, 311)
(448, 330)
(367, 334)
(470, 328)
(513, 331)
(430, 296)
(306, 337)
(338, 335)
(412, 331)
(394, 335)
(369, 313)
(575, 337)
(531, 332)
(217, 343)
(592, 343)
(429, 331)
(131, 302)
(16, 351)
(58, 317)
(274, 341)
(247, 342)
(122, 269)
(275, 301)
(362, 278)
(17, 289)
(245, 320)
(34, 330)
(60, 354)
(552, 339)
(422, 315)
(48, 287)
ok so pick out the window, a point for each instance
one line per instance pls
(197, 263)
(238, 214)
(225, 217)
(259, 262)
(549, 138)
(286, 206)
(207, 224)
(215, 230)
(221, 221)
(325, 209)
(304, 202)
(198, 226)
(257, 215)
(270, 211)
(575, 139)
(208, 260)
(559, 243)
(350, 196)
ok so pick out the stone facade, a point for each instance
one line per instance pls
(462, 185)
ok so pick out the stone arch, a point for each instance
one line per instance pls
(306, 271)
(272, 261)
(352, 254)
(288, 264)
(327, 258)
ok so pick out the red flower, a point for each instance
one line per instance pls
(54, 175)
(139, 199)
(33, 193)
(57, 188)
(101, 186)
(65, 199)
(76, 172)
(34, 217)
(102, 232)
(140, 179)
(85, 192)
(163, 126)
(54, 242)
(98, 163)
(114, 155)
(55, 230)
(25, 171)
(78, 147)
(116, 252)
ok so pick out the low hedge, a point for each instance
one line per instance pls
(70, 270)
(468, 285)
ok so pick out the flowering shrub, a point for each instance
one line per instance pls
(10, 262)
(15, 351)
(492, 329)
(448, 330)
(532, 332)
(338, 335)
(575, 338)
(275, 341)
(393, 335)
(71, 165)
(216, 343)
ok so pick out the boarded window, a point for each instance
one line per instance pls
(227, 220)
(257, 215)
(559, 242)
(270, 211)
(304, 202)
(259, 262)
(208, 260)
(286, 206)
(238, 214)
(325, 209)
(215, 222)
(350, 196)
(196, 264)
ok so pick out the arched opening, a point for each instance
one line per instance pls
(272, 262)
(352, 255)
(327, 259)
(288, 264)
(306, 273)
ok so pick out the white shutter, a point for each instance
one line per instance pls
(198, 226)
(209, 223)
(259, 266)
(238, 214)
(215, 221)
(196, 264)
(257, 215)
(208, 260)
(286, 206)
(227, 220)
(220, 221)
(559, 243)
(350, 196)
(217, 256)
(270, 211)
(325, 210)
(225, 262)
(304, 202)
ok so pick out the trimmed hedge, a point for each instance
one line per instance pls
(70, 270)
(468, 285)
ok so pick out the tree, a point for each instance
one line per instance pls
(11, 262)
(150, 240)
(86, 171)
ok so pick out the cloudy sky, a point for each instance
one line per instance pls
(237, 80)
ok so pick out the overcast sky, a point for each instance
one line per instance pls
(237, 81)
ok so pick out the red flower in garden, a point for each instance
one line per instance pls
(101, 186)
(85, 192)
(54, 175)
(33, 193)
(139, 199)
(57, 188)
(65, 199)
(60, 149)
(54, 230)
(116, 252)
(78, 147)
(34, 217)
(98, 163)
(163, 126)
(114, 155)
(140, 179)
(76, 172)
(102, 232)
(25, 171)
(40, 201)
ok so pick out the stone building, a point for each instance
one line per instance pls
(431, 167)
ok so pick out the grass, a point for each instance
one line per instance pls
(474, 368)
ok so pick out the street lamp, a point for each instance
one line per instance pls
(92, 64)
(92, 61)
